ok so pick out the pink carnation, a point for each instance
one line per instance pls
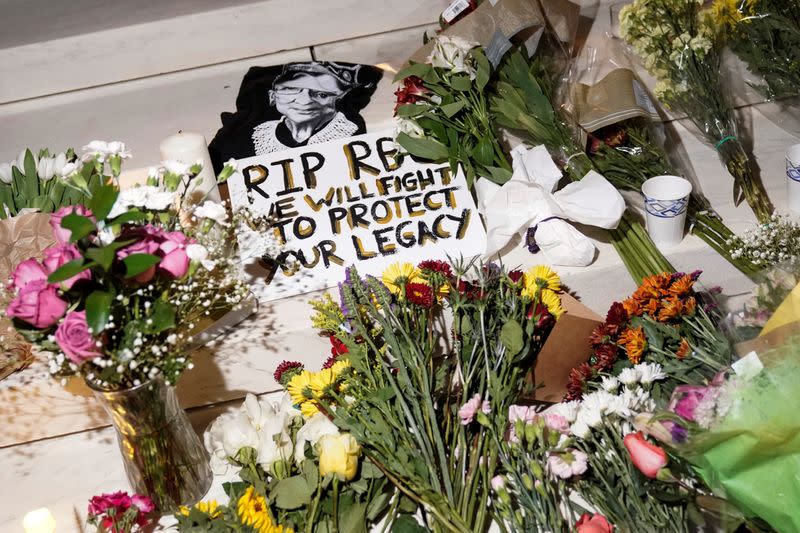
(570, 463)
(468, 411)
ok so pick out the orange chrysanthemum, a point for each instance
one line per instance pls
(670, 308)
(634, 342)
(682, 286)
(689, 305)
(632, 306)
(651, 307)
(683, 349)
(657, 284)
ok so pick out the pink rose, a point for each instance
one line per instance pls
(647, 457)
(172, 250)
(74, 338)
(60, 254)
(63, 235)
(149, 238)
(37, 304)
(27, 271)
(593, 524)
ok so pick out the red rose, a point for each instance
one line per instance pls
(647, 457)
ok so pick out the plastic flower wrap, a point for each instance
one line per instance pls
(678, 44)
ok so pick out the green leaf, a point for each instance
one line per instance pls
(311, 473)
(370, 471)
(352, 518)
(102, 201)
(511, 335)
(407, 524)
(102, 256)
(415, 69)
(484, 152)
(135, 264)
(129, 216)
(424, 148)
(292, 493)
(42, 203)
(412, 110)
(451, 109)
(163, 317)
(98, 309)
(461, 82)
(498, 175)
(79, 225)
(484, 69)
(31, 179)
(67, 270)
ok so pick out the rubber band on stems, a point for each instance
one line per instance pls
(724, 140)
(566, 163)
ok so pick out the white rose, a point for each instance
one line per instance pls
(212, 211)
(273, 448)
(6, 175)
(312, 431)
(212, 439)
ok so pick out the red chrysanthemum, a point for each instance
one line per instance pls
(419, 294)
(600, 335)
(436, 266)
(605, 355)
(578, 377)
(616, 317)
(287, 369)
(330, 361)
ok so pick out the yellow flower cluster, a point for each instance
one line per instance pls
(543, 284)
(397, 275)
(254, 512)
(307, 388)
(726, 15)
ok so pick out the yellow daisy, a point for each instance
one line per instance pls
(210, 508)
(299, 387)
(253, 511)
(339, 366)
(322, 381)
(538, 278)
(397, 275)
(309, 408)
(552, 301)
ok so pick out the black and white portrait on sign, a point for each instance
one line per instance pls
(294, 105)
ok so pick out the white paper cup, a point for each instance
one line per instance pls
(793, 177)
(665, 201)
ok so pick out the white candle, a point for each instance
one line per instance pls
(190, 148)
(39, 521)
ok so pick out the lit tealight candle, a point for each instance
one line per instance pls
(39, 521)
(190, 148)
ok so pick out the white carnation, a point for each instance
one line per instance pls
(212, 211)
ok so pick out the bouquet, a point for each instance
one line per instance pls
(443, 114)
(765, 34)
(41, 182)
(740, 433)
(665, 322)
(522, 101)
(424, 404)
(678, 44)
(311, 474)
(116, 299)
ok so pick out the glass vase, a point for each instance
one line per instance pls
(163, 456)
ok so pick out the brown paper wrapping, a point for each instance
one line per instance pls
(21, 238)
(510, 17)
(616, 97)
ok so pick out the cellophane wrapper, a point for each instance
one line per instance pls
(751, 453)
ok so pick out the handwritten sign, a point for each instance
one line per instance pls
(354, 201)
